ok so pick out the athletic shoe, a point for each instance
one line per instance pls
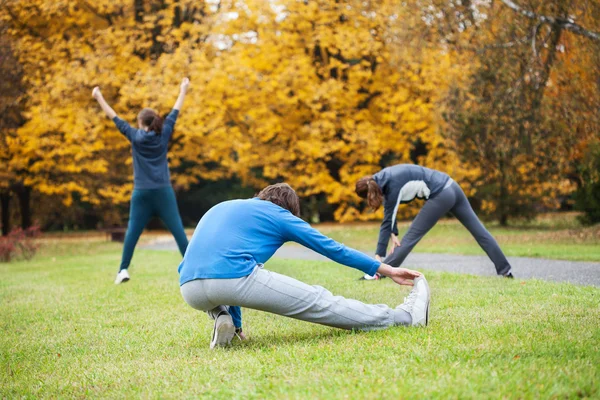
(417, 302)
(223, 330)
(375, 277)
(122, 276)
(509, 276)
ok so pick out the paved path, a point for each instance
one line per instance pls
(583, 273)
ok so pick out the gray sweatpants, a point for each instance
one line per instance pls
(279, 294)
(452, 199)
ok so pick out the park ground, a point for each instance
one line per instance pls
(554, 236)
(68, 331)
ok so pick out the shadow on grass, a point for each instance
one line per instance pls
(273, 340)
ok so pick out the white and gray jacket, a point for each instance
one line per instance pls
(403, 183)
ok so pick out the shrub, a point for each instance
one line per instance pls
(19, 244)
(587, 198)
(7, 248)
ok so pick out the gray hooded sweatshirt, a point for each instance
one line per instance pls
(403, 183)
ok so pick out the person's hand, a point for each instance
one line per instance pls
(402, 276)
(96, 92)
(378, 258)
(185, 83)
(395, 241)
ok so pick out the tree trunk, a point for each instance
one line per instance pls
(24, 195)
(503, 219)
(540, 86)
(5, 199)
(138, 7)
(177, 17)
(503, 198)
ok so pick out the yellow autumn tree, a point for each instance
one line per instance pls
(11, 94)
(313, 93)
(523, 120)
(66, 147)
(318, 94)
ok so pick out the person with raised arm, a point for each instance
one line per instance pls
(152, 194)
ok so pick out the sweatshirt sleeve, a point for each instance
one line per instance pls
(124, 128)
(169, 124)
(385, 230)
(297, 230)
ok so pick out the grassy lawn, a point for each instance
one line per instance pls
(557, 236)
(68, 331)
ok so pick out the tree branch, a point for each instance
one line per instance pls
(22, 25)
(566, 24)
(506, 45)
(107, 17)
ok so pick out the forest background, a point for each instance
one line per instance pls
(503, 95)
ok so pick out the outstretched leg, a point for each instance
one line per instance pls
(432, 211)
(140, 212)
(279, 294)
(465, 214)
(168, 212)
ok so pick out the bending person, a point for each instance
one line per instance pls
(223, 267)
(152, 192)
(403, 183)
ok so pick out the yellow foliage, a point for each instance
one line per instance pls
(316, 94)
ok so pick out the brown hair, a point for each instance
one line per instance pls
(150, 119)
(283, 195)
(367, 188)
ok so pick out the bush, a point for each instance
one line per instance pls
(19, 244)
(587, 197)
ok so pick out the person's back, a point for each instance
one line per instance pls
(393, 179)
(149, 152)
(232, 238)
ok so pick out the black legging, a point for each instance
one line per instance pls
(451, 199)
(146, 203)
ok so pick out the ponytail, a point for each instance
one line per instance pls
(367, 188)
(156, 125)
(151, 120)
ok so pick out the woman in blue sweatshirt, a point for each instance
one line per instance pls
(152, 192)
(403, 183)
(223, 269)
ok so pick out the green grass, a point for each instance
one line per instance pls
(69, 332)
(554, 236)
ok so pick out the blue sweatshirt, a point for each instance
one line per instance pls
(234, 236)
(150, 165)
(401, 184)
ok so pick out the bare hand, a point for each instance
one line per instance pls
(185, 83)
(378, 258)
(402, 276)
(395, 241)
(96, 92)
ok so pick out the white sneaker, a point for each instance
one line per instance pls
(122, 276)
(223, 330)
(375, 277)
(417, 302)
